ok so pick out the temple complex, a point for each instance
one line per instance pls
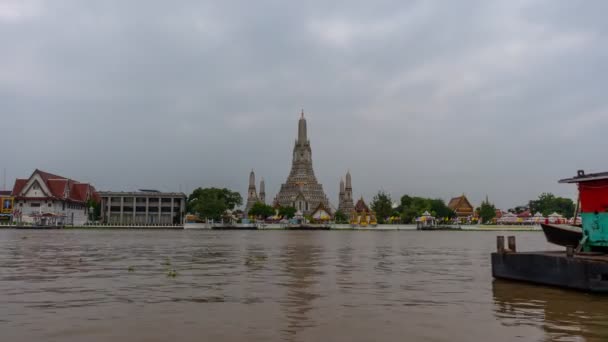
(345, 203)
(461, 206)
(301, 190)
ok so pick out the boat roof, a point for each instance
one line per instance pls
(582, 177)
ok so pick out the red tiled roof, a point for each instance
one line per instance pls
(19, 184)
(361, 206)
(77, 192)
(5, 193)
(57, 187)
(46, 176)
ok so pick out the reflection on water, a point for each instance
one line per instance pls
(277, 286)
(300, 261)
(563, 315)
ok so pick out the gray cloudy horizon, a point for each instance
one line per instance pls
(428, 98)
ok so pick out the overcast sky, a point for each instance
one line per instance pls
(430, 98)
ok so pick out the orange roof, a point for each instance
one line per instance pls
(459, 202)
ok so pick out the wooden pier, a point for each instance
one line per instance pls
(580, 271)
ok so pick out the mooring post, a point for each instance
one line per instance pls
(569, 251)
(511, 244)
(500, 244)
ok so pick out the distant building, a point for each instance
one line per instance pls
(144, 207)
(362, 215)
(321, 213)
(46, 194)
(461, 206)
(252, 195)
(345, 203)
(6, 206)
(302, 190)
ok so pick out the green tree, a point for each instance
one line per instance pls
(211, 203)
(96, 208)
(547, 203)
(340, 217)
(382, 205)
(413, 207)
(262, 210)
(487, 212)
(440, 210)
(287, 212)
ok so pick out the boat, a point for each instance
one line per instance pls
(562, 234)
(308, 227)
(235, 226)
(439, 227)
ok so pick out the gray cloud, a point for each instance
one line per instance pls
(419, 97)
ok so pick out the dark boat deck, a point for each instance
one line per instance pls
(584, 271)
(234, 228)
(308, 227)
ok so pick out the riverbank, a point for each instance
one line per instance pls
(335, 227)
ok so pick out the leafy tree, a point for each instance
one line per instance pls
(211, 203)
(340, 217)
(96, 208)
(412, 207)
(487, 212)
(439, 209)
(548, 203)
(262, 210)
(287, 212)
(382, 205)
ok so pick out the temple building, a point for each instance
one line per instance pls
(461, 206)
(252, 194)
(345, 204)
(321, 214)
(361, 215)
(49, 196)
(301, 190)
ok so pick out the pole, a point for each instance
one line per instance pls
(578, 203)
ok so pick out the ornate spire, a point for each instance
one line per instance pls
(348, 180)
(302, 134)
(252, 195)
(252, 178)
(262, 191)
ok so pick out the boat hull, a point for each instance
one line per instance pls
(308, 227)
(235, 227)
(562, 234)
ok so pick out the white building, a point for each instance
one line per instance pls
(144, 207)
(45, 195)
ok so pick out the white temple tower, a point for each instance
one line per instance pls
(302, 190)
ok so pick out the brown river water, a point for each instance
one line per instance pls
(93, 285)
